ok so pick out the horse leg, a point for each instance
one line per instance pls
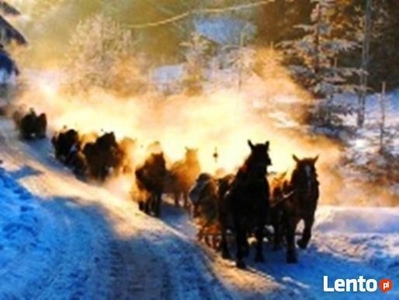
(277, 232)
(157, 204)
(307, 233)
(215, 245)
(245, 245)
(240, 236)
(207, 240)
(259, 244)
(223, 243)
(141, 205)
(290, 237)
(185, 200)
(176, 196)
(200, 235)
(147, 206)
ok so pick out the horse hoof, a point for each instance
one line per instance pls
(302, 244)
(291, 259)
(241, 264)
(245, 250)
(226, 255)
(141, 206)
(259, 259)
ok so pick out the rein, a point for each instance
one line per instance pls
(282, 199)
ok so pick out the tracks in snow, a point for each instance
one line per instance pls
(99, 247)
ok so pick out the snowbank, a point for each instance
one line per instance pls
(357, 220)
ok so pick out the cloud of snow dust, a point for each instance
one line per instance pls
(269, 107)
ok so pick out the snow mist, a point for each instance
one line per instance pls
(268, 106)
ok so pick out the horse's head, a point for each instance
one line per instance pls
(191, 154)
(154, 147)
(158, 162)
(258, 161)
(128, 144)
(305, 174)
(201, 191)
(107, 140)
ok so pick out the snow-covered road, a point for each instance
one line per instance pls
(88, 244)
(61, 238)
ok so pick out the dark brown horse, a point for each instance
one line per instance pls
(102, 156)
(182, 176)
(246, 204)
(150, 179)
(296, 200)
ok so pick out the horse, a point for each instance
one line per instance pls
(78, 162)
(63, 142)
(31, 125)
(102, 156)
(297, 200)
(245, 205)
(182, 176)
(41, 126)
(204, 197)
(17, 116)
(150, 179)
(126, 150)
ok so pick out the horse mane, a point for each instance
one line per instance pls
(242, 171)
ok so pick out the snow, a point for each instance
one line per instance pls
(25, 239)
(373, 108)
(61, 238)
(7, 78)
(167, 78)
(357, 220)
(64, 239)
(364, 148)
(223, 30)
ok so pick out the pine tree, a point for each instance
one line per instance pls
(314, 58)
(9, 68)
(384, 55)
(276, 20)
(8, 32)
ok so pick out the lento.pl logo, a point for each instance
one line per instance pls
(356, 285)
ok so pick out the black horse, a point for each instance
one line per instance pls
(296, 200)
(247, 204)
(32, 125)
(150, 179)
(63, 143)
